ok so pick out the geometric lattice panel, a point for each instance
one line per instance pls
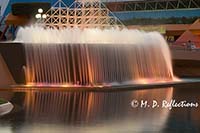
(82, 14)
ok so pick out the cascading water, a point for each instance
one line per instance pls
(94, 56)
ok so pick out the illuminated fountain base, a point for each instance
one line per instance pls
(96, 59)
(112, 87)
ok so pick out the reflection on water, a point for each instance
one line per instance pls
(85, 112)
(83, 107)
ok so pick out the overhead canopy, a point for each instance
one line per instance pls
(17, 20)
(23, 13)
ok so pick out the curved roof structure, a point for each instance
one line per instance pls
(6, 4)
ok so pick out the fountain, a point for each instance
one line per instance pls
(91, 52)
(86, 72)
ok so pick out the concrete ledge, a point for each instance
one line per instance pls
(185, 55)
(5, 108)
(5, 76)
(116, 88)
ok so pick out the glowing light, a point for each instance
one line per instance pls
(44, 16)
(176, 79)
(40, 10)
(142, 81)
(30, 84)
(152, 80)
(38, 16)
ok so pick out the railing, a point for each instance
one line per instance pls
(151, 5)
(157, 14)
(184, 46)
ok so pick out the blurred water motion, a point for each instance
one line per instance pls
(94, 56)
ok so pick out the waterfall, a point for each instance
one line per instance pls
(94, 56)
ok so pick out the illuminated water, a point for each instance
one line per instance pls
(94, 56)
(59, 111)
